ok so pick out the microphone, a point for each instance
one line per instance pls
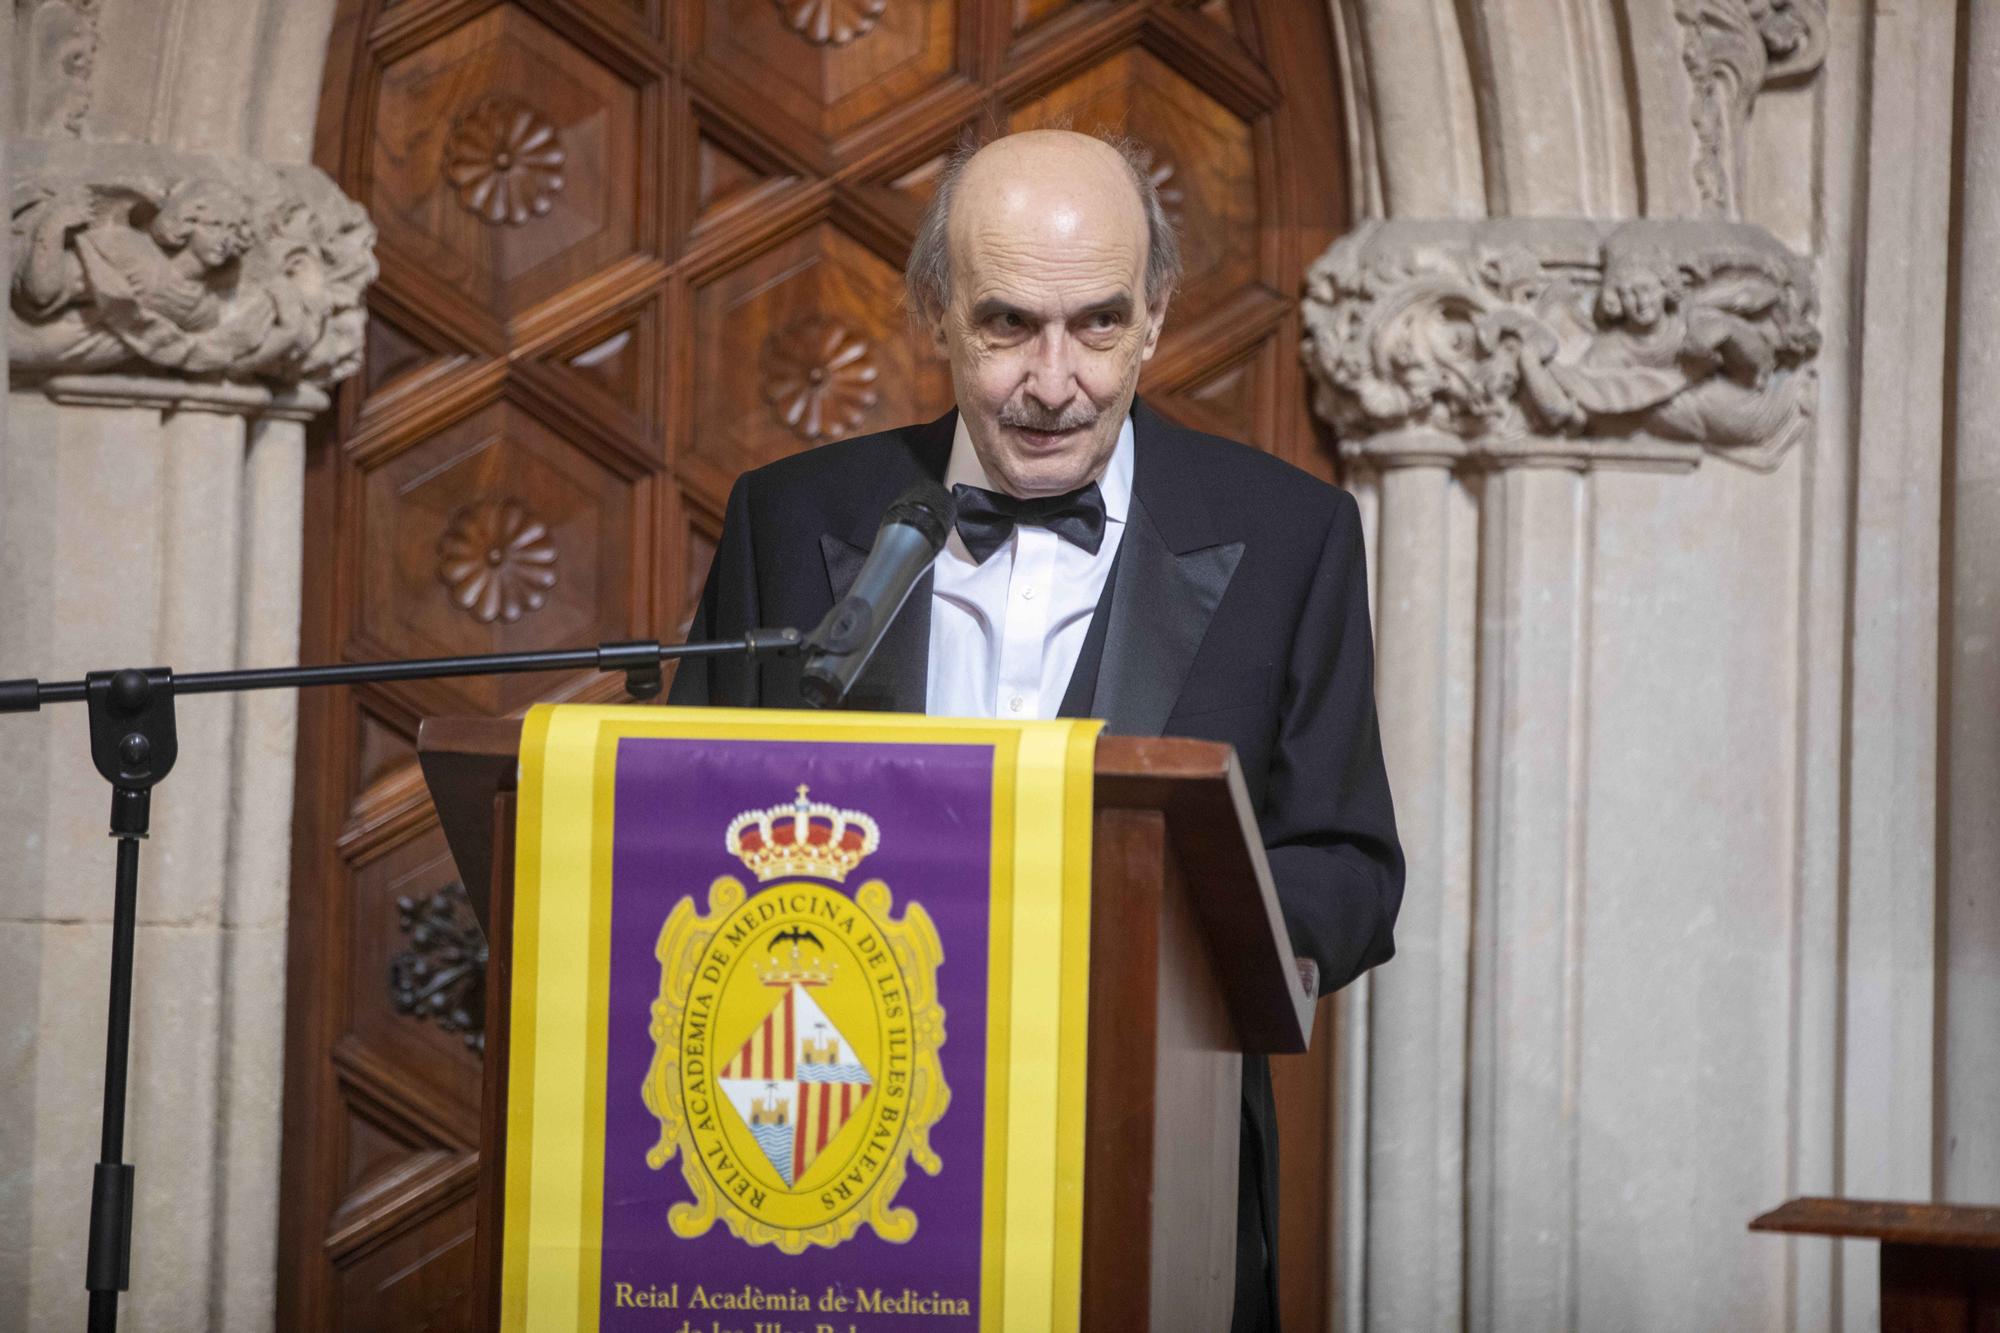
(913, 531)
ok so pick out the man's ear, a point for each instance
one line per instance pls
(1156, 319)
(938, 340)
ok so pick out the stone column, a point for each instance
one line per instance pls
(1412, 120)
(1970, 925)
(183, 294)
(14, 1044)
(1426, 560)
(1730, 931)
(1497, 376)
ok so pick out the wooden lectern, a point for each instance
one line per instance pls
(1940, 1261)
(1190, 966)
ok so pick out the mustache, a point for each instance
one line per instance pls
(1028, 417)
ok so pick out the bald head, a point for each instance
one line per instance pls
(1043, 269)
(1047, 187)
(1087, 177)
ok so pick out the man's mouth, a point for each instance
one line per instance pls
(1046, 438)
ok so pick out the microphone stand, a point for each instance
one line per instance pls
(133, 744)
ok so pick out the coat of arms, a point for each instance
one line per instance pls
(795, 1039)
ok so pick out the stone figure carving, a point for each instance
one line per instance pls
(57, 57)
(195, 275)
(1733, 49)
(1636, 342)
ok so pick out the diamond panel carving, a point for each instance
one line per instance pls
(1030, 14)
(831, 65)
(720, 176)
(421, 1279)
(1201, 156)
(612, 363)
(1233, 399)
(611, 371)
(505, 163)
(380, 748)
(818, 303)
(414, 869)
(445, 531)
(389, 353)
(373, 1150)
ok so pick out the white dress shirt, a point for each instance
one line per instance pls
(1005, 635)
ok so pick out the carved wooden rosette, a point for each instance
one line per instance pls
(497, 560)
(505, 160)
(1485, 343)
(629, 249)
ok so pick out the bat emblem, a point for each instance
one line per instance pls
(797, 936)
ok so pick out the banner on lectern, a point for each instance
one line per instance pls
(797, 1035)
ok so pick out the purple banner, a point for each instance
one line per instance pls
(804, 1041)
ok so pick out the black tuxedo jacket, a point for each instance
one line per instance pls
(1236, 610)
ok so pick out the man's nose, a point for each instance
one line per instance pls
(1052, 372)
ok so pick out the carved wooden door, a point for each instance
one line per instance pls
(630, 248)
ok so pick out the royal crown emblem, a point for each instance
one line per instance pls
(796, 1031)
(809, 838)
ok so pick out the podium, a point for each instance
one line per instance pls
(1940, 1261)
(1190, 968)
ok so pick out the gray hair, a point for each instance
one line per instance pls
(927, 277)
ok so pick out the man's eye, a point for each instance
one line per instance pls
(1104, 320)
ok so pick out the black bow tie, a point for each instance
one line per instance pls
(987, 518)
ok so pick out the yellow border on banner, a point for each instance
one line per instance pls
(1035, 1015)
(1066, 1298)
(556, 1221)
(999, 1037)
(518, 1196)
(1038, 959)
(604, 815)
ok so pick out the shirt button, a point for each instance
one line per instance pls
(1028, 593)
(1015, 703)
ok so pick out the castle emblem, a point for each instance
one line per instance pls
(795, 1036)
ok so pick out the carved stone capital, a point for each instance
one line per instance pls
(1733, 50)
(1562, 342)
(138, 264)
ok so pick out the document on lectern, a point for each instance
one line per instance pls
(798, 1023)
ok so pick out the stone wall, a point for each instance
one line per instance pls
(183, 293)
(1644, 352)
(1661, 357)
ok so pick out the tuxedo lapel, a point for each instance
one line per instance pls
(1172, 574)
(1160, 609)
(898, 675)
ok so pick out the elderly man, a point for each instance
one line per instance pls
(1107, 563)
